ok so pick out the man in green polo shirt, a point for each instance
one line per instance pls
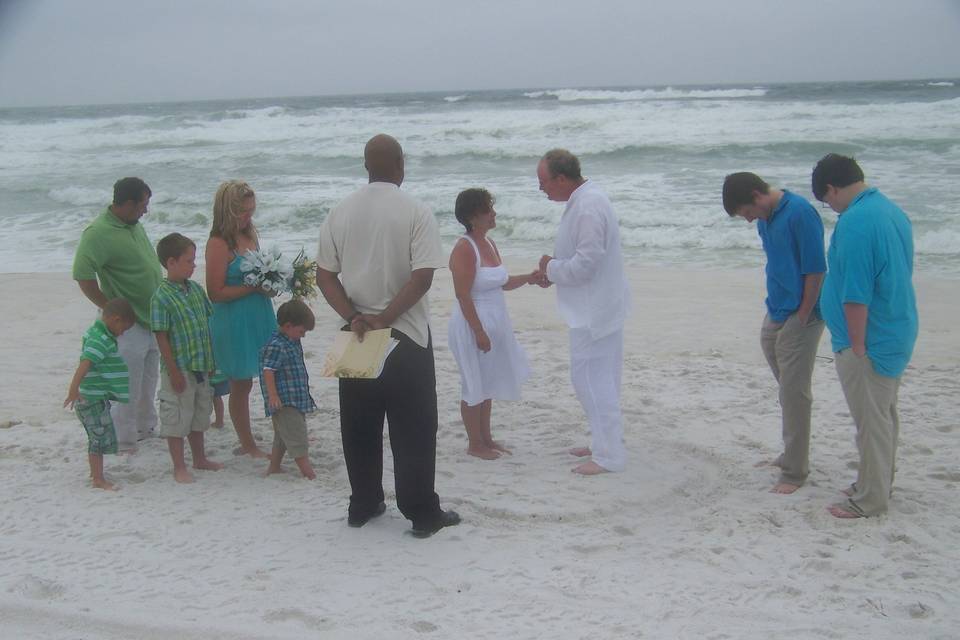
(115, 259)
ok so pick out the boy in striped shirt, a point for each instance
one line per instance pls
(100, 378)
(180, 318)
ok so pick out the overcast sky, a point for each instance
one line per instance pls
(107, 51)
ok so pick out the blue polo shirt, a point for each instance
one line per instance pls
(793, 240)
(871, 263)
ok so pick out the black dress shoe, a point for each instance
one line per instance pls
(446, 519)
(358, 521)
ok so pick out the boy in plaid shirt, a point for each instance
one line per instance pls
(286, 386)
(179, 317)
(102, 376)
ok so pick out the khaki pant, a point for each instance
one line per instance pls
(289, 432)
(872, 399)
(137, 419)
(791, 351)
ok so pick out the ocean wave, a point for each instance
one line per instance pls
(80, 196)
(455, 98)
(669, 93)
(942, 242)
(940, 84)
(691, 237)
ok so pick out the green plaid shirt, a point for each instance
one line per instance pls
(184, 313)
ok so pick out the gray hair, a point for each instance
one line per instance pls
(561, 162)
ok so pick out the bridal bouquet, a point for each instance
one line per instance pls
(266, 269)
(269, 271)
(303, 281)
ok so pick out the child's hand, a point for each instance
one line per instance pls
(177, 381)
(274, 401)
(72, 396)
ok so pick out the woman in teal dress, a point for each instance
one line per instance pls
(243, 317)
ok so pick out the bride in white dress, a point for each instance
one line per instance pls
(492, 363)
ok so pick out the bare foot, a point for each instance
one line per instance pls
(306, 469)
(580, 452)
(589, 469)
(498, 446)
(182, 476)
(104, 484)
(784, 488)
(216, 425)
(270, 471)
(208, 465)
(257, 452)
(485, 453)
(841, 511)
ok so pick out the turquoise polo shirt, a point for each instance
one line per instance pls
(871, 263)
(121, 257)
(793, 240)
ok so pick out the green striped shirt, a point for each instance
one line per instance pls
(108, 378)
(184, 311)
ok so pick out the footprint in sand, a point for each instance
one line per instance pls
(37, 588)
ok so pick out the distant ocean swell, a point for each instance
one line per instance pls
(661, 153)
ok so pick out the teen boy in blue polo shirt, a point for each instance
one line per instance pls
(792, 236)
(870, 307)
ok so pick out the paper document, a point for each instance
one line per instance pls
(350, 358)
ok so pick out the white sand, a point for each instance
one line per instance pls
(687, 543)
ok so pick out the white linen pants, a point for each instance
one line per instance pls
(595, 371)
(138, 418)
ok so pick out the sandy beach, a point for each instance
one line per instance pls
(686, 543)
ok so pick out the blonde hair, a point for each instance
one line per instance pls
(226, 212)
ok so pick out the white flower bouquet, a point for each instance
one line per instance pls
(266, 270)
(270, 272)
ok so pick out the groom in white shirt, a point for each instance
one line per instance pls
(593, 300)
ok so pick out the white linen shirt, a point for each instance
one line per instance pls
(374, 239)
(587, 264)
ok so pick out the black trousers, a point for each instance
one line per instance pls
(406, 394)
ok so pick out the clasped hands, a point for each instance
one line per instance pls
(363, 322)
(539, 276)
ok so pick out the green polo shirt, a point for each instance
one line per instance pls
(183, 311)
(108, 377)
(121, 257)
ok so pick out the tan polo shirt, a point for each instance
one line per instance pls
(375, 239)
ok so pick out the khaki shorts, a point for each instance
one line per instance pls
(181, 413)
(290, 431)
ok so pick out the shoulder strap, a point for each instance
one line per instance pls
(475, 249)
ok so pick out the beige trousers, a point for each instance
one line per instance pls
(872, 399)
(791, 351)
